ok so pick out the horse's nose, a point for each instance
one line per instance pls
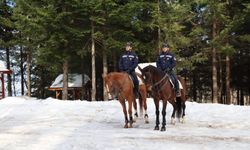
(110, 97)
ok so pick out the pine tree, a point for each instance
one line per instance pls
(6, 34)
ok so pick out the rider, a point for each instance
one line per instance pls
(128, 62)
(166, 62)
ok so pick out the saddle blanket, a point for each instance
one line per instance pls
(180, 85)
(139, 79)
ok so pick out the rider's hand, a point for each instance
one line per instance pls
(128, 71)
(167, 70)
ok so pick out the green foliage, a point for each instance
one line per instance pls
(54, 30)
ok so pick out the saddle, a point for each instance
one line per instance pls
(172, 82)
(138, 77)
(180, 85)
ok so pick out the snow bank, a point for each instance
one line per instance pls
(31, 124)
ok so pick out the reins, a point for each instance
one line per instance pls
(163, 78)
(119, 92)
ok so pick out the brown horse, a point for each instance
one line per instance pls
(121, 85)
(160, 86)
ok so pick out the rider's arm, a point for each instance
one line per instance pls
(135, 63)
(158, 64)
(121, 68)
(173, 62)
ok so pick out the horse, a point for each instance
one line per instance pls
(121, 85)
(158, 83)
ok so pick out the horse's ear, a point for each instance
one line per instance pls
(140, 68)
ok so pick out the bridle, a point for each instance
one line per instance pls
(159, 82)
(112, 90)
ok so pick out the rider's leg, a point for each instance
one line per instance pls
(176, 84)
(136, 83)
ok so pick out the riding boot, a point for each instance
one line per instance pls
(177, 89)
(136, 84)
(176, 84)
(136, 90)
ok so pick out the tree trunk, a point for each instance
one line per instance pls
(93, 93)
(65, 79)
(22, 71)
(13, 84)
(83, 81)
(9, 75)
(115, 62)
(228, 80)
(105, 72)
(159, 29)
(28, 73)
(194, 87)
(214, 67)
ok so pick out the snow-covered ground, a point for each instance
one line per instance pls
(30, 124)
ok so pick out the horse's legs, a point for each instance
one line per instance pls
(157, 122)
(163, 128)
(145, 109)
(143, 102)
(135, 108)
(122, 101)
(130, 98)
(173, 113)
(183, 112)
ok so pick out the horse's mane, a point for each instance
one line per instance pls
(153, 70)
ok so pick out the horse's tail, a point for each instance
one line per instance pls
(178, 104)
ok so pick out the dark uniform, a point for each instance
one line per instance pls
(128, 62)
(166, 61)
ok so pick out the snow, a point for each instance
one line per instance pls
(31, 124)
(2, 66)
(75, 80)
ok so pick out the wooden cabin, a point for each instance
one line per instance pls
(3, 71)
(74, 86)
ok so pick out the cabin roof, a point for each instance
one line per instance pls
(74, 81)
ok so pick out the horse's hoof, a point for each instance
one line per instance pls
(173, 121)
(146, 121)
(163, 128)
(136, 115)
(146, 118)
(130, 126)
(156, 128)
(126, 126)
(182, 120)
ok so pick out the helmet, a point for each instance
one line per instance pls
(129, 44)
(165, 45)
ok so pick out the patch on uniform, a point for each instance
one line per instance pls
(169, 56)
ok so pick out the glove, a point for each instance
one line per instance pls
(167, 70)
(128, 71)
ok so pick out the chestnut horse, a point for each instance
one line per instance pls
(159, 84)
(121, 85)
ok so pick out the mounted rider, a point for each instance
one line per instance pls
(128, 62)
(166, 62)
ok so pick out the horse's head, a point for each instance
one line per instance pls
(147, 77)
(108, 85)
